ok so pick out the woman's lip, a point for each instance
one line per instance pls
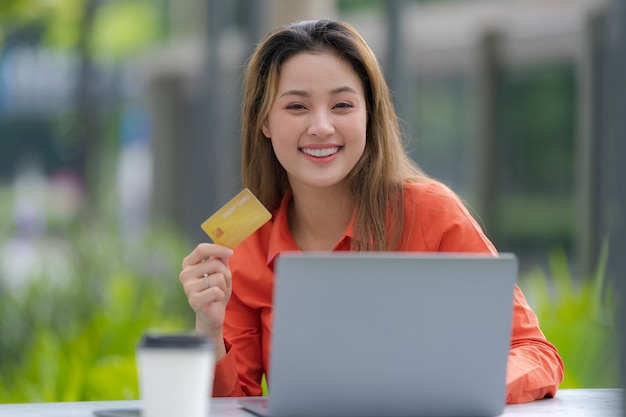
(320, 145)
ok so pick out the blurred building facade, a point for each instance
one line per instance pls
(512, 103)
(499, 99)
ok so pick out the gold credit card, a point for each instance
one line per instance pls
(237, 220)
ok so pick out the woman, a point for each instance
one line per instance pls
(322, 150)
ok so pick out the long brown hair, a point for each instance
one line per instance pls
(376, 183)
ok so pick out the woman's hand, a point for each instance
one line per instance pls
(207, 282)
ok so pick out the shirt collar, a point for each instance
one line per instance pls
(281, 239)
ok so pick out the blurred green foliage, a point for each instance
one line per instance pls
(535, 221)
(579, 318)
(71, 338)
(121, 28)
(537, 129)
(126, 28)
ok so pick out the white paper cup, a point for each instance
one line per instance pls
(175, 375)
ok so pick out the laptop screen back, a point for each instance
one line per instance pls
(396, 334)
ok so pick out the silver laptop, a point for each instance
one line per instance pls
(389, 334)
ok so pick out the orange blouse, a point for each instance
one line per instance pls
(436, 221)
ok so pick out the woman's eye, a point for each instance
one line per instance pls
(295, 106)
(343, 105)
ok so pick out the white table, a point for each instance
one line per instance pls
(568, 403)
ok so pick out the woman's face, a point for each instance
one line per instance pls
(317, 123)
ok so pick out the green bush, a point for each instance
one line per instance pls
(73, 337)
(578, 316)
(69, 334)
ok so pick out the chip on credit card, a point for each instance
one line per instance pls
(236, 220)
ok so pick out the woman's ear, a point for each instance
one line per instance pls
(265, 129)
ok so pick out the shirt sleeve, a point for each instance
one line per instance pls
(248, 320)
(240, 371)
(226, 378)
(535, 368)
(446, 224)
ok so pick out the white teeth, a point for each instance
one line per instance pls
(320, 153)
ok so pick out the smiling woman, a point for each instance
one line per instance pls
(322, 150)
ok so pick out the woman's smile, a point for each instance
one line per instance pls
(321, 152)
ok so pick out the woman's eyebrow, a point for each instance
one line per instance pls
(345, 89)
(299, 93)
(302, 93)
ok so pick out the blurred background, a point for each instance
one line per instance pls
(119, 135)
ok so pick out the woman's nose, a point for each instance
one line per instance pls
(321, 125)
